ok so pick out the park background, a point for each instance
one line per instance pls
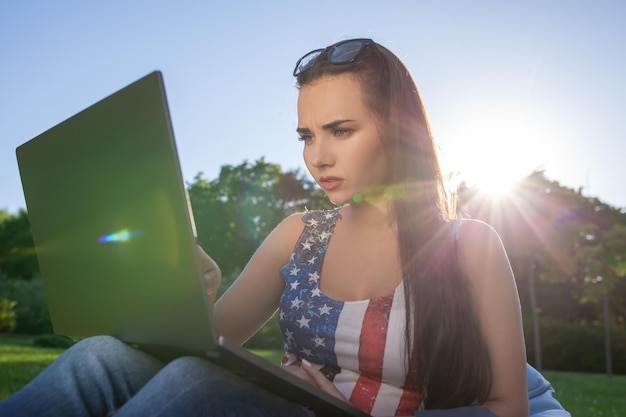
(525, 100)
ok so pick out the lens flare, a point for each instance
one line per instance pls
(123, 235)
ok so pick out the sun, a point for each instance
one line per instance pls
(495, 186)
(494, 148)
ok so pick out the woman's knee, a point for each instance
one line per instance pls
(198, 373)
(191, 369)
(101, 356)
(98, 345)
(89, 352)
(203, 388)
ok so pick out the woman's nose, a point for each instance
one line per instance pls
(319, 154)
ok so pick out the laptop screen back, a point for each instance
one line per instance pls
(111, 223)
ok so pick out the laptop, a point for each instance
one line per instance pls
(116, 244)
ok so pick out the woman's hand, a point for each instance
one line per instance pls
(305, 370)
(212, 273)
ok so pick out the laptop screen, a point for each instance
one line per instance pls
(112, 226)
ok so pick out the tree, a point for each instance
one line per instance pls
(568, 251)
(17, 249)
(606, 269)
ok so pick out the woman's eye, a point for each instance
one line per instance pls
(342, 132)
(305, 138)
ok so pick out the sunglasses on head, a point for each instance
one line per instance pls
(339, 53)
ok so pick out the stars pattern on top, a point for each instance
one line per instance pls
(289, 335)
(319, 341)
(306, 314)
(324, 235)
(324, 310)
(303, 321)
(296, 302)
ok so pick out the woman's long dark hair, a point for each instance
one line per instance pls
(448, 360)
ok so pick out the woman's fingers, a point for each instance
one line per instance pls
(212, 272)
(321, 381)
(300, 373)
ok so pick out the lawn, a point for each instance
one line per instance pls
(583, 395)
(590, 395)
(20, 361)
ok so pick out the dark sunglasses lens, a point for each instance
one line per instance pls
(345, 52)
(306, 61)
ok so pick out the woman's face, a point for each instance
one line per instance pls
(342, 141)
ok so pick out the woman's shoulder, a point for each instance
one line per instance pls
(286, 234)
(290, 224)
(293, 224)
(472, 231)
(477, 242)
(314, 218)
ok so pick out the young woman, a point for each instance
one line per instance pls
(388, 301)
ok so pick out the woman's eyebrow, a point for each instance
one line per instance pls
(336, 123)
(328, 126)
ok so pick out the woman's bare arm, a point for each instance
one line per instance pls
(254, 296)
(484, 261)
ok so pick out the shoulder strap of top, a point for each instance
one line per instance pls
(319, 225)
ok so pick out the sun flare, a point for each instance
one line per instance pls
(494, 149)
(495, 186)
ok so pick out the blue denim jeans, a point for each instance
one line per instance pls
(102, 376)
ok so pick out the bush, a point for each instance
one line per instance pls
(577, 347)
(31, 309)
(52, 341)
(7, 315)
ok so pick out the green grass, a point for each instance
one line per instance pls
(583, 395)
(20, 362)
(590, 395)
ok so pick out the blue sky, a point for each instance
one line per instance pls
(509, 86)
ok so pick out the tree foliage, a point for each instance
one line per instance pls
(575, 245)
(17, 250)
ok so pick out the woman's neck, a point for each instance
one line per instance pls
(370, 213)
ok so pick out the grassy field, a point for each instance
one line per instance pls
(20, 362)
(583, 395)
(590, 395)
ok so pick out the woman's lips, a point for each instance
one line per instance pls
(330, 183)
